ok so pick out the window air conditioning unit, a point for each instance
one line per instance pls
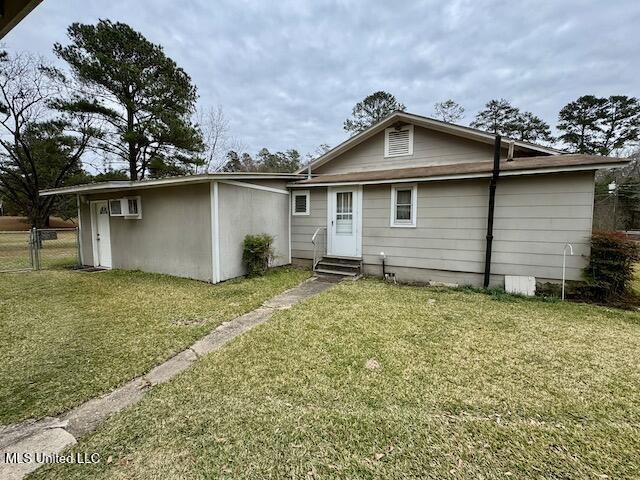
(129, 207)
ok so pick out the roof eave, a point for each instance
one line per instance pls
(465, 176)
(426, 122)
(164, 182)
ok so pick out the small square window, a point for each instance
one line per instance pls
(115, 207)
(403, 205)
(300, 200)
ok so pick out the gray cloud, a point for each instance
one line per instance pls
(287, 73)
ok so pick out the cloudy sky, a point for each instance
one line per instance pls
(288, 72)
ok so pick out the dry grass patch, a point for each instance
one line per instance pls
(371, 380)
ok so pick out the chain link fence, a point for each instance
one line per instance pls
(39, 248)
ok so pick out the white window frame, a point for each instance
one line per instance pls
(133, 216)
(300, 193)
(414, 205)
(124, 207)
(386, 141)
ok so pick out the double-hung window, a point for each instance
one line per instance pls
(404, 201)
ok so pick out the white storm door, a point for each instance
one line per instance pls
(102, 235)
(344, 221)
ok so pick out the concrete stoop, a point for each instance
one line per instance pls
(52, 435)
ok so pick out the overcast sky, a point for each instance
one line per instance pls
(288, 72)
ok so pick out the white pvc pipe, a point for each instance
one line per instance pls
(564, 263)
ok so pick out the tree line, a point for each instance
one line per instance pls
(590, 125)
(125, 109)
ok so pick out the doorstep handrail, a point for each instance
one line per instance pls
(319, 241)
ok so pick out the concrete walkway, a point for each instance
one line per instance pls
(51, 435)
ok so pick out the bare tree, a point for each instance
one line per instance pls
(448, 111)
(317, 153)
(217, 138)
(38, 149)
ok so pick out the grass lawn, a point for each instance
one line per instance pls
(468, 386)
(58, 252)
(68, 336)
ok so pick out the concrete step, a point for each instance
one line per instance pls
(337, 272)
(325, 264)
(342, 261)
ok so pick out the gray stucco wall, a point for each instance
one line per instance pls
(173, 236)
(86, 249)
(243, 211)
(534, 217)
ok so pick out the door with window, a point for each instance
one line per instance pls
(345, 225)
(102, 235)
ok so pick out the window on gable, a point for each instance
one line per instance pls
(300, 202)
(404, 201)
(398, 141)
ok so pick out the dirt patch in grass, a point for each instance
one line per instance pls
(469, 386)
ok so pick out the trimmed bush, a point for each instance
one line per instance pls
(610, 270)
(257, 253)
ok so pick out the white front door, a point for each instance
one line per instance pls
(344, 221)
(101, 235)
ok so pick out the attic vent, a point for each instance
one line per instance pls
(398, 141)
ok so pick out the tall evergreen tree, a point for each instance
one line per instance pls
(498, 116)
(283, 162)
(371, 110)
(142, 98)
(620, 123)
(529, 128)
(580, 121)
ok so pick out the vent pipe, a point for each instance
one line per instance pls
(309, 171)
(492, 205)
(512, 145)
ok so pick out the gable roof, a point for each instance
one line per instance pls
(519, 166)
(429, 123)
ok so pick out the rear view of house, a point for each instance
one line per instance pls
(415, 191)
(410, 190)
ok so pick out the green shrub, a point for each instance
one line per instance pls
(611, 266)
(257, 253)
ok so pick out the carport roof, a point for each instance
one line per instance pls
(166, 182)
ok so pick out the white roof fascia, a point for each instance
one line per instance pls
(464, 176)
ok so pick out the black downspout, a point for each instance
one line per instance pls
(492, 204)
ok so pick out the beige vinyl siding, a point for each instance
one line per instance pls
(429, 148)
(303, 226)
(534, 217)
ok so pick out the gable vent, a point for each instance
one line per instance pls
(398, 142)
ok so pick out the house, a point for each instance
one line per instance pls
(415, 191)
(411, 191)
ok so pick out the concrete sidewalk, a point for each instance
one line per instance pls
(52, 435)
